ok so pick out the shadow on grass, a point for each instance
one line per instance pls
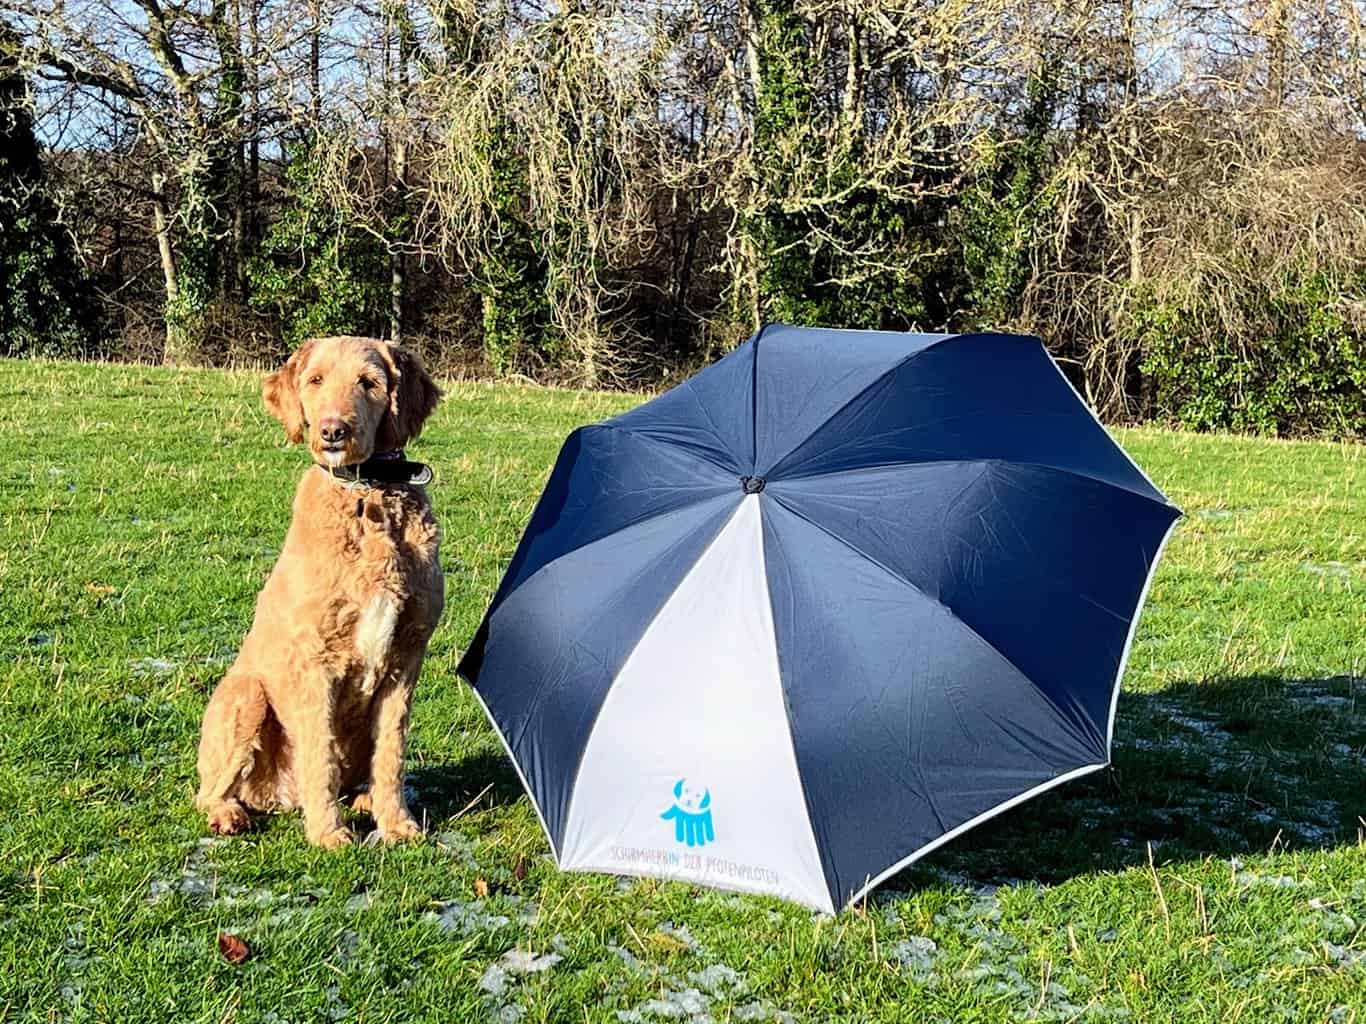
(1223, 768)
(480, 781)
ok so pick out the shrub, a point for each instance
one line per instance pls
(1307, 375)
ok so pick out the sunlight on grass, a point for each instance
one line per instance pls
(140, 510)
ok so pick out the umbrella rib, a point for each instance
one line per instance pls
(702, 408)
(692, 453)
(754, 401)
(1065, 719)
(911, 463)
(908, 357)
(703, 496)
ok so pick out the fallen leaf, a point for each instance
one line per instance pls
(234, 950)
(481, 888)
(519, 872)
(101, 588)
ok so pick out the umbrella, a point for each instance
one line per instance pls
(819, 609)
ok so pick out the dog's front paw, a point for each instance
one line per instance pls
(363, 803)
(333, 838)
(400, 830)
(228, 818)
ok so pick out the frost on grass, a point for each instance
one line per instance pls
(679, 932)
(758, 1011)
(915, 956)
(718, 979)
(688, 1004)
(1344, 956)
(702, 996)
(467, 917)
(75, 961)
(193, 883)
(1252, 880)
(335, 1009)
(1335, 925)
(361, 901)
(494, 980)
(1228, 759)
(518, 961)
(696, 1006)
(458, 847)
(152, 667)
(1337, 569)
(499, 977)
(1323, 695)
(632, 962)
(1000, 969)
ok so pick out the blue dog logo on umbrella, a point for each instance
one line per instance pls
(691, 815)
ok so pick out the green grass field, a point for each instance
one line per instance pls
(1218, 873)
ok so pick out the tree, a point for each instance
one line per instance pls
(179, 70)
(45, 306)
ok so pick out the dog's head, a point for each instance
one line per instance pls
(350, 397)
(693, 799)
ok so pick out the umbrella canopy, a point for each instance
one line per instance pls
(812, 613)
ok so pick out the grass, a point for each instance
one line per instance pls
(1216, 874)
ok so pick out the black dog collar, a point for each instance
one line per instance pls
(380, 469)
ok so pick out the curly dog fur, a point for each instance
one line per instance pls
(316, 704)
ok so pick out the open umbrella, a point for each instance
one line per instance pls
(812, 613)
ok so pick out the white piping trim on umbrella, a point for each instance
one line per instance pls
(531, 794)
(1129, 641)
(1092, 413)
(1066, 776)
(954, 833)
(1114, 696)
(1152, 567)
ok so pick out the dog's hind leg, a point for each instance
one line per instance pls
(227, 746)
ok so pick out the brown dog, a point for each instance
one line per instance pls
(316, 704)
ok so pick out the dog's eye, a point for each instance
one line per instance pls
(315, 380)
(366, 383)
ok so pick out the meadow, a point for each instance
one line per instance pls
(1216, 873)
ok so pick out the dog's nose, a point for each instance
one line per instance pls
(333, 430)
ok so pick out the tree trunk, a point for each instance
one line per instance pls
(1278, 46)
(254, 130)
(1135, 227)
(399, 155)
(850, 101)
(176, 343)
(315, 92)
(238, 255)
(747, 276)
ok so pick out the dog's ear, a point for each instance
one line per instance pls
(280, 392)
(412, 396)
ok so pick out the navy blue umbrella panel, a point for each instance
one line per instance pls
(817, 610)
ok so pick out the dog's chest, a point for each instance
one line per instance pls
(393, 589)
(375, 636)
